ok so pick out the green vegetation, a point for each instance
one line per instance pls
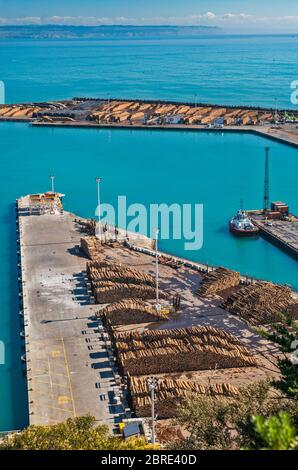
(74, 434)
(288, 383)
(276, 433)
(228, 424)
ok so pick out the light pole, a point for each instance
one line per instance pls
(53, 183)
(98, 235)
(276, 110)
(156, 269)
(152, 386)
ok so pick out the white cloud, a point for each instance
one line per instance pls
(206, 18)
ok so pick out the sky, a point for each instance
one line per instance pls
(230, 15)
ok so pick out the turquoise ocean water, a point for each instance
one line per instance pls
(148, 167)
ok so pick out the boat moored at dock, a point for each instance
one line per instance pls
(241, 225)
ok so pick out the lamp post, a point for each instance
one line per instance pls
(152, 386)
(98, 235)
(156, 269)
(53, 183)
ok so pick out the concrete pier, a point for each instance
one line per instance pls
(283, 234)
(285, 135)
(69, 370)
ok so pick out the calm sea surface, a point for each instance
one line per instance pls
(148, 167)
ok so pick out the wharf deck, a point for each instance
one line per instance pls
(68, 369)
(283, 234)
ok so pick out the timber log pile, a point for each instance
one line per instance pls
(179, 350)
(169, 261)
(121, 274)
(135, 112)
(170, 394)
(91, 246)
(260, 303)
(129, 312)
(86, 226)
(115, 282)
(108, 292)
(96, 264)
(217, 281)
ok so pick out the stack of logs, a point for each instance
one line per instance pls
(169, 261)
(86, 226)
(217, 281)
(260, 303)
(107, 292)
(170, 394)
(179, 350)
(129, 312)
(114, 282)
(91, 246)
(121, 274)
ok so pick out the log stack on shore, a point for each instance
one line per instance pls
(217, 281)
(129, 312)
(260, 303)
(108, 292)
(149, 113)
(86, 226)
(91, 246)
(121, 274)
(115, 282)
(170, 394)
(179, 350)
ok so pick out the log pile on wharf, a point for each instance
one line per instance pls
(18, 111)
(101, 271)
(169, 261)
(129, 312)
(91, 246)
(171, 393)
(86, 226)
(260, 303)
(179, 350)
(114, 282)
(134, 112)
(217, 281)
(108, 292)
(30, 110)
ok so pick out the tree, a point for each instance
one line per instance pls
(214, 423)
(285, 338)
(276, 433)
(73, 434)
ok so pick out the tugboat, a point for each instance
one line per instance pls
(242, 226)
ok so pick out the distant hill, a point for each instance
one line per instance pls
(97, 32)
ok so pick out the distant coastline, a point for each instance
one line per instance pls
(104, 31)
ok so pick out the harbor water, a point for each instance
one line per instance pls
(216, 170)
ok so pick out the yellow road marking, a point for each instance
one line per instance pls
(56, 353)
(68, 375)
(62, 400)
